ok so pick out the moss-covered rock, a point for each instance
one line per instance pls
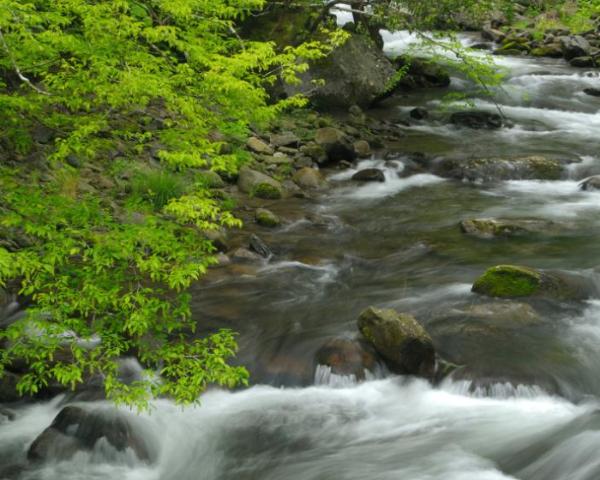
(400, 340)
(259, 185)
(513, 281)
(266, 218)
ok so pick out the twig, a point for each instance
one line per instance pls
(22, 77)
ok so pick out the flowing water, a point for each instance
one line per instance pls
(526, 407)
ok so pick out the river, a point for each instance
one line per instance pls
(527, 407)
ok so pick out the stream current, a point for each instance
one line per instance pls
(526, 408)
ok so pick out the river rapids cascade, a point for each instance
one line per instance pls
(527, 405)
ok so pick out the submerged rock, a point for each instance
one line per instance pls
(400, 340)
(592, 183)
(477, 120)
(259, 246)
(505, 227)
(593, 92)
(513, 281)
(369, 175)
(259, 185)
(493, 169)
(347, 357)
(76, 429)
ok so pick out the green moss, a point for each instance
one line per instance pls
(508, 281)
(266, 191)
(267, 218)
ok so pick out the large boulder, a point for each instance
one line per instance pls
(421, 73)
(309, 178)
(369, 175)
(356, 73)
(506, 227)
(575, 46)
(513, 281)
(477, 120)
(258, 184)
(347, 357)
(335, 143)
(492, 169)
(401, 341)
(77, 429)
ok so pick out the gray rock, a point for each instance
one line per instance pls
(477, 120)
(285, 139)
(494, 169)
(582, 62)
(335, 143)
(76, 429)
(258, 184)
(362, 149)
(492, 35)
(309, 178)
(400, 340)
(259, 246)
(257, 145)
(592, 183)
(506, 227)
(369, 175)
(243, 255)
(348, 81)
(575, 46)
(315, 152)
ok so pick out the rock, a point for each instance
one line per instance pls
(422, 73)
(512, 281)
(369, 175)
(8, 387)
(419, 113)
(575, 46)
(257, 145)
(285, 139)
(211, 179)
(362, 149)
(552, 50)
(302, 162)
(266, 218)
(347, 81)
(309, 178)
(477, 120)
(582, 62)
(259, 185)
(505, 227)
(243, 255)
(218, 238)
(592, 183)
(76, 429)
(492, 35)
(347, 357)
(315, 152)
(7, 415)
(594, 92)
(259, 246)
(335, 143)
(400, 340)
(494, 169)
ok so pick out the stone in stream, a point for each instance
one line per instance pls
(594, 92)
(266, 218)
(259, 185)
(575, 46)
(477, 120)
(335, 143)
(592, 183)
(401, 341)
(259, 246)
(493, 169)
(551, 50)
(362, 149)
(419, 113)
(76, 429)
(582, 62)
(309, 178)
(505, 227)
(514, 281)
(369, 175)
(347, 357)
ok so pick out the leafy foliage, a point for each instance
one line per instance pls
(88, 86)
